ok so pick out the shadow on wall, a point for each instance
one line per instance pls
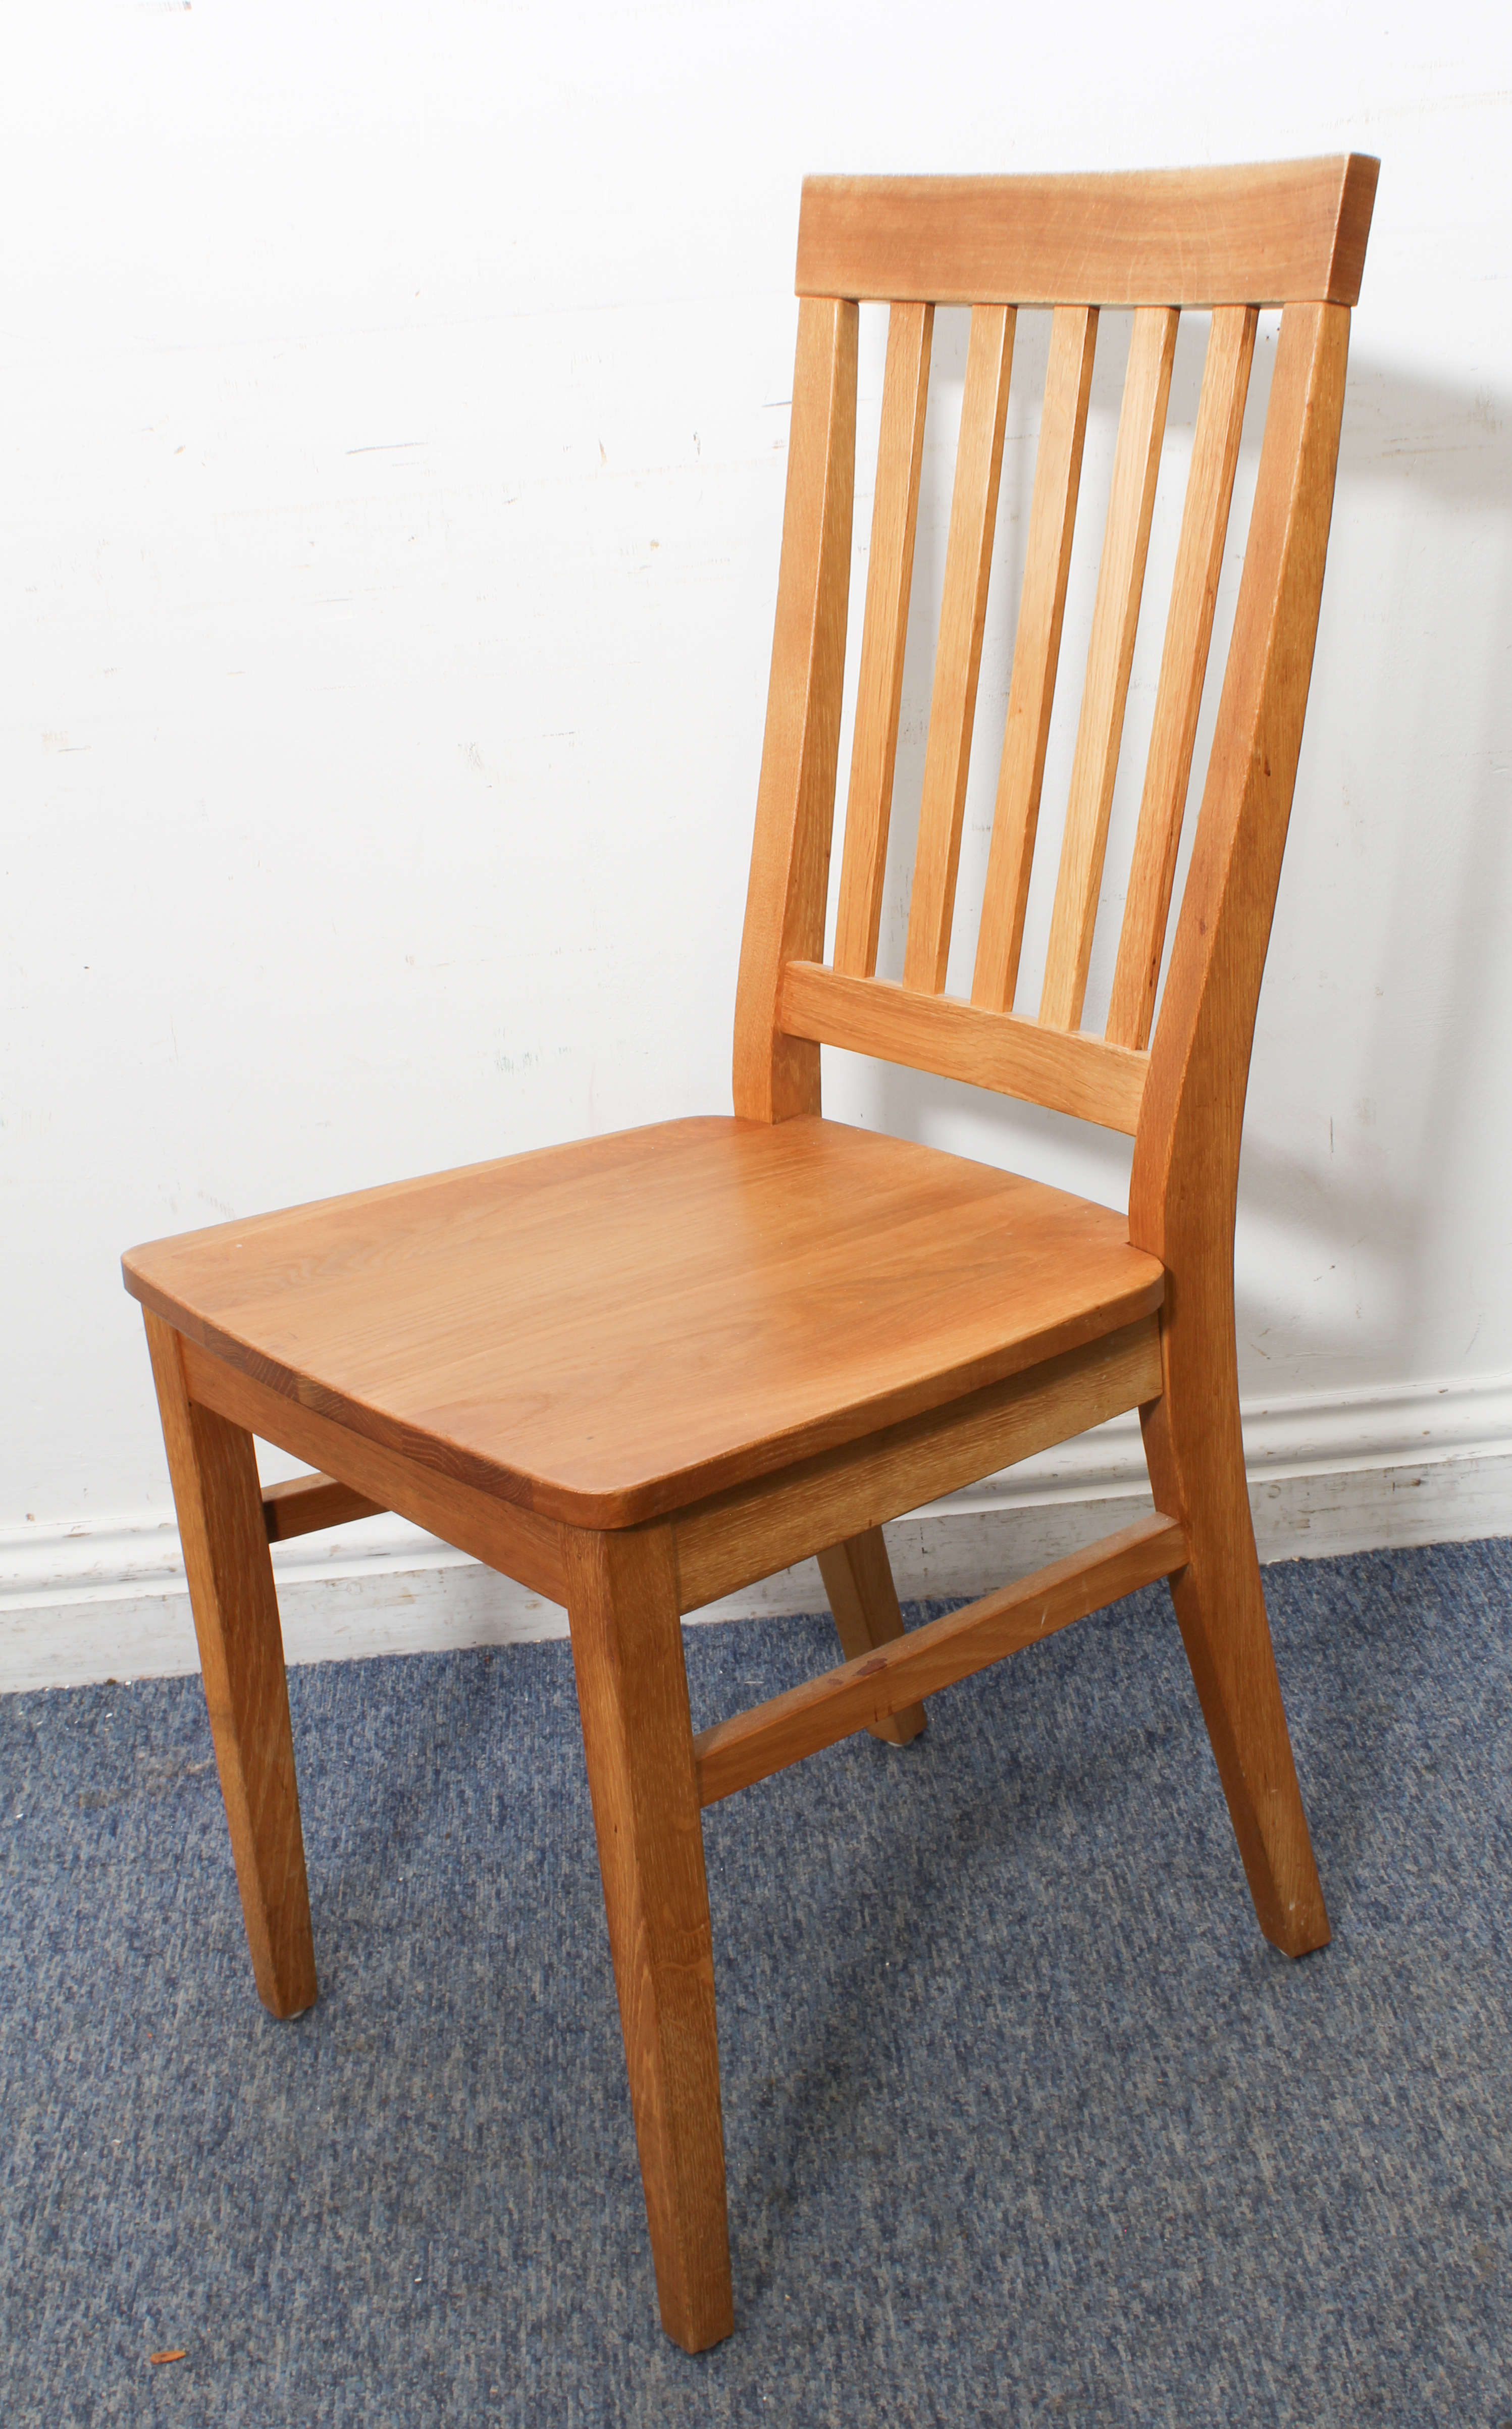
(1398, 894)
(1368, 1148)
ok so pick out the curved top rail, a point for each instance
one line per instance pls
(1283, 232)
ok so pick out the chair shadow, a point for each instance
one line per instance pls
(960, 1847)
(1432, 957)
(1425, 945)
(1434, 960)
(1424, 522)
(960, 1842)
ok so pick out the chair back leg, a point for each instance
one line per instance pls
(219, 1500)
(637, 1737)
(858, 1578)
(1196, 1460)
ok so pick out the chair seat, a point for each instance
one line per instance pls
(607, 1331)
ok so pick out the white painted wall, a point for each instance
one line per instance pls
(391, 462)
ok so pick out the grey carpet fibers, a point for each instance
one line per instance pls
(1025, 2122)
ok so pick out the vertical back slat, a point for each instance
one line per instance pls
(889, 579)
(1115, 620)
(1036, 655)
(1183, 669)
(952, 708)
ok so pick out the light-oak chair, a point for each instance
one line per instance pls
(638, 1372)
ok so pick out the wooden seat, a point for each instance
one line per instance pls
(563, 1328)
(641, 1371)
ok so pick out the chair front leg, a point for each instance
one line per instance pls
(637, 1736)
(219, 1500)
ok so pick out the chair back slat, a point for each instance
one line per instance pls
(1110, 657)
(1036, 655)
(957, 658)
(1183, 668)
(880, 691)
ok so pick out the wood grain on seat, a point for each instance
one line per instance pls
(608, 1331)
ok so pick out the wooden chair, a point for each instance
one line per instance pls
(640, 1372)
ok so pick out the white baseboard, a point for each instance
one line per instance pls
(99, 1600)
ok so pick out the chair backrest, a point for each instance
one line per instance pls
(1227, 241)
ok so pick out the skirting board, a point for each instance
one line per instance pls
(1417, 1467)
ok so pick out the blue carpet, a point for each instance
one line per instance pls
(1025, 2122)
